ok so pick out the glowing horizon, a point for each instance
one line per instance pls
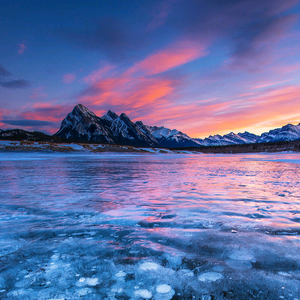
(236, 70)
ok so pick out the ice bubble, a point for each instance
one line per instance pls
(149, 266)
(186, 272)
(2, 282)
(242, 255)
(92, 281)
(284, 274)
(87, 281)
(84, 291)
(218, 268)
(239, 264)
(17, 293)
(210, 276)
(145, 294)
(163, 288)
(54, 257)
(117, 290)
(120, 274)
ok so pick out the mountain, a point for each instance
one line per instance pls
(83, 125)
(171, 138)
(288, 132)
(229, 139)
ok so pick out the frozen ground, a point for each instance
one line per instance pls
(165, 226)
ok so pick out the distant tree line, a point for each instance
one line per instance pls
(247, 148)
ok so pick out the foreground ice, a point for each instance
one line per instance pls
(210, 276)
(149, 227)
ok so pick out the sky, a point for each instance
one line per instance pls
(203, 67)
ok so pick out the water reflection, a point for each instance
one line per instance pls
(220, 227)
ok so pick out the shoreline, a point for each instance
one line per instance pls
(31, 146)
(46, 146)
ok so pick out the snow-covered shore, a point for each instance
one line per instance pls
(77, 147)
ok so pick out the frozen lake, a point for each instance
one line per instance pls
(168, 226)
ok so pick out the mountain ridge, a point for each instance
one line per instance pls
(81, 124)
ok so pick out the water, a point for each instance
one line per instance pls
(167, 226)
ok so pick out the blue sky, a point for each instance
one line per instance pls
(200, 66)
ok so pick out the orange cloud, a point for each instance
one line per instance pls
(144, 93)
(261, 113)
(173, 56)
(136, 88)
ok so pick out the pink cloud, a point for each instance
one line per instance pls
(22, 48)
(160, 15)
(38, 93)
(98, 74)
(69, 78)
(173, 56)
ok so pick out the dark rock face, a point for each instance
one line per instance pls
(83, 125)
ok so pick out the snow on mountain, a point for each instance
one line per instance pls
(288, 132)
(172, 138)
(229, 139)
(82, 124)
(249, 137)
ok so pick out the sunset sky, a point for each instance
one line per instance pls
(200, 66)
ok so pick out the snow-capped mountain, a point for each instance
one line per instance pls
(172, 138)
(124, 130)
(228, 139)
(83, 125)
(288, 132)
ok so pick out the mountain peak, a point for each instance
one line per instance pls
(83, 125)
(112, 114)
(80, 108)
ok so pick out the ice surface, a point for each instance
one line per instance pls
(102, 226)
(210, 276)
(242, 254)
